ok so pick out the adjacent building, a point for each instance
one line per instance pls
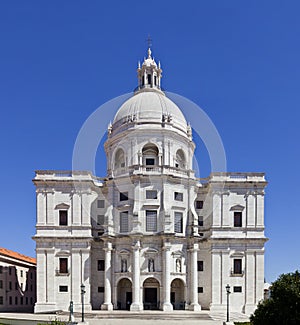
(149, 235)
(17, 282)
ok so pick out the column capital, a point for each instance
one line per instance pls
(108, 246)
(136, 246)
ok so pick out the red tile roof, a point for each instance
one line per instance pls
(9, 253)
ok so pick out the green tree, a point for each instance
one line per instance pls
(283, 307)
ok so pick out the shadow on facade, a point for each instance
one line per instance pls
(17, 289)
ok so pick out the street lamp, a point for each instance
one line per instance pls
(228, 293)
(82, 301)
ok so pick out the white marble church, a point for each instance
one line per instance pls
(149, 235)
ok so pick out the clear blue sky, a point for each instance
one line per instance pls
(238, 60)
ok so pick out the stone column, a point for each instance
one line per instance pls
(194, 279)
(136, 304)
(107, 305)
(167, 306)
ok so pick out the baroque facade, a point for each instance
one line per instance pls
(149, 235)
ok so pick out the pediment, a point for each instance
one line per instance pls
(237, 254)
(151, 251)
(62, 206)
(124, 252)
(177, 254)
(237, 207)
(63, 253)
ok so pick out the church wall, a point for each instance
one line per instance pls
(204, 277)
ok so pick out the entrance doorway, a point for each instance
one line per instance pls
(177, 294)
(151, 294)
(124, 294)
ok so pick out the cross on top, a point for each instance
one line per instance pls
(149, 41)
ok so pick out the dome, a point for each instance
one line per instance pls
(150, 106)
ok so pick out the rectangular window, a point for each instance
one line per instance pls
(1, 284)
(237, 289)
(101, 265)
(151, 194)
(199, 204)
(178, 196)
(1, 270)
(100, 219)
(63, 265)
(237, 266)
(16, 285)
(22, 286)
(200, 266)
(150, 161)
(63, 288)
(16, 300)
(124, 221)
(9, 270)
(200, 221)
(21, 273)
(63, 217)
(200, 289)
(100, 289)
(10, 285)
(237, 219)
(10, 300)
(26, 300)
(123, 196)
(178, 222)
(100, 204)
(1, 300)
(151, 220)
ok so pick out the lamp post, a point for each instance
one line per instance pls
(82, 301)
(228, 293)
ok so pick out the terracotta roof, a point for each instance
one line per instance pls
(18, 256)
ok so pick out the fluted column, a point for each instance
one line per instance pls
(136, 304)
(194, 279)
(167, 306)
(107, 305)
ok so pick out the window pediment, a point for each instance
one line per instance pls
(177, 254)
(62, 206)
(151, 252)
(237, 254)
(124, 252)
(63, 253)
(237, 207)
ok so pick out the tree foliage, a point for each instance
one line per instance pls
(283, 307)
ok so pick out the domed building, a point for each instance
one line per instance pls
(150, 235)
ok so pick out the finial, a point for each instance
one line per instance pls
(159, 64)
(149, 41)
(139, 64)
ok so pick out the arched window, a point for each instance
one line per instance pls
(180, 161)
(150, 155)
(119, 159)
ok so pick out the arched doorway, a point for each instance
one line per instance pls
(151, 294)
(124, 294)
(177, 294)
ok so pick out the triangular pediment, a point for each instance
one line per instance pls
(62, 206)
(177, 254)
(237, 207)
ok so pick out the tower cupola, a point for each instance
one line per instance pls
(149, 74)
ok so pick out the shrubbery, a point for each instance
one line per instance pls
(283, 307)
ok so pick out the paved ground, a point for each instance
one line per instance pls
(125, 317)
